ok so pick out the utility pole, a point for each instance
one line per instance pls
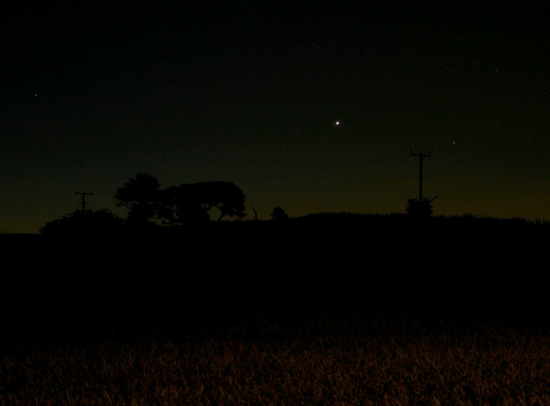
(421, 156)
(83, 199)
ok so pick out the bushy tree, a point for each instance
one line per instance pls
(141, 197)
(183, 204)
(421, 209)
(191, 203)
(87, 223)
(179, 207)
(225, 196)
(278, 214)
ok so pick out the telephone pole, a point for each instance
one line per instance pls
(421, 156)
(83, 199)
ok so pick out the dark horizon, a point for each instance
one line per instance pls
(93, 95)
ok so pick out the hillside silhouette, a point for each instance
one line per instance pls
(167, 259)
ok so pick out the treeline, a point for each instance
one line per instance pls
(150, 208)
(188, 208)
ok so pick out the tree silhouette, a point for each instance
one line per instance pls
(421, 209)
(191, 203)
(278, 214)
(87, 223)
(141, 197)
(228, 198)
(183, 204)
(181, 207)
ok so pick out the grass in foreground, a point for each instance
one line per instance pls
(326, 359)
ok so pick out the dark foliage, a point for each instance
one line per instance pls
(87, 223)
(179, 208)
(337, 262)
(278, 214)
(421, 209)
(191, 203)
(141, 196)
(186, 204)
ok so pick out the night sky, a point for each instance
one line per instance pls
(91, 94)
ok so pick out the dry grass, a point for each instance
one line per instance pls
(328, 360)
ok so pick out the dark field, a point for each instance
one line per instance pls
(331, 312)
(466, 267)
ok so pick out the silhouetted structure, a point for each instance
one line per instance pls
(279, 214)
(83, 199)
(192, 202)
(178, 205)
(141, 197)
(421, 156)
(419, 209)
